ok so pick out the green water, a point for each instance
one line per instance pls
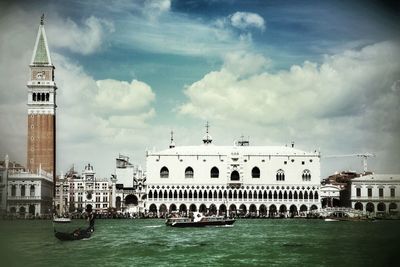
(247, 243)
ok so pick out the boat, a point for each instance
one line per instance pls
(65, 230)
(198, 220)
(331, 220)
(75, 235)
(61, 220)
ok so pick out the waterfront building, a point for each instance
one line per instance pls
(377, 194)
(24, 193)
(130, 195)
(236, 180)
(77, 193)
(41, 150)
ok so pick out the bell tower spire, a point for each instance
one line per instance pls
(41, 107)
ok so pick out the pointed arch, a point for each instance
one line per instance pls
(164, 172)
(214, 173)
(255, 172)
(189, 173)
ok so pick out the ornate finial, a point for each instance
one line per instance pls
(172, 144)
(42, 19)
(207, 138)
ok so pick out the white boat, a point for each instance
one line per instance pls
(331, 220)
(199, 220)
(61, 220)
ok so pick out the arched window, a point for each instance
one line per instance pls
(34, 97)
(255, 172)
(13, 190)
(47, 97)
(164, 172)
(280, 175)
(306, 175)
(189, 172)
(23, 190)
(32, 191)
(150, 195)
(235, 176)
(43, 97)
(214, 172)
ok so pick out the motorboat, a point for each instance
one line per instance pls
(61, 220)
(199, 220)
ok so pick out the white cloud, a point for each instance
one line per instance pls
(242, 63)
(154, 8)
(85, 38)
(120, 97)
(246, 20)
(347, 103)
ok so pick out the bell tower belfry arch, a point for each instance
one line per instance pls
(41, 108)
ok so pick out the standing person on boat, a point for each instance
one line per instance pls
(91, 218)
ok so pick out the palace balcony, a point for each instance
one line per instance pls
(23, 197)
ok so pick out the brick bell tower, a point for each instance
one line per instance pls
(41, 108)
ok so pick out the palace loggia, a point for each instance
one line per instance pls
(233, 180)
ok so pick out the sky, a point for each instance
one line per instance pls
(323, 74)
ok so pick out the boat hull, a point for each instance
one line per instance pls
(201, 223)
(78, 235)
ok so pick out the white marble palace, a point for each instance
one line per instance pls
(235, 180)
(376, 193)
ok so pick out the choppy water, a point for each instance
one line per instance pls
(247, 243)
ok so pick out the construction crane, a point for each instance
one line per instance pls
(364, 157)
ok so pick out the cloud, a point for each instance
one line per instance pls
(120, 97)
(85, 38)
(154, 8)
(242, 63)
(246, 20)
(346, 102)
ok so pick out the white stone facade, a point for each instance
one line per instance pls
(25, 194)
(376, 193)
(130, 192)
(239, 179)
(83, 192)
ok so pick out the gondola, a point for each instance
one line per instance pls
(76, 233)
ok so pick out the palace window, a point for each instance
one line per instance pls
(255, 172)
(369, 192)
(13, 190)
(214, 172)
(235, 176)
(380, 192)
(392, 192)
(358, 192)
(34, 96)
(306, 175)
(280, 175)
(32, 191)
(164, 172)
(189, 172)
(23, 190)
